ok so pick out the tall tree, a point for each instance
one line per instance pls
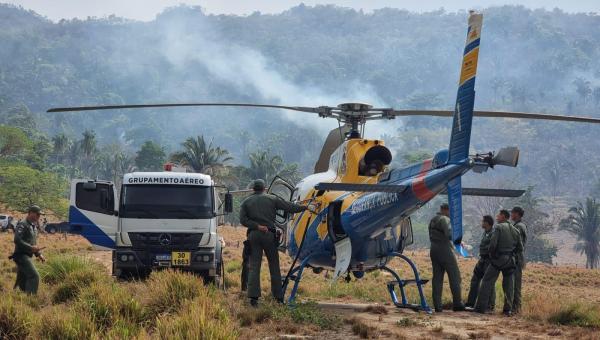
(584, 223)
(22, 186)
(60, 145)
(199, 156)
(265, 166)
(87, 146)
(13, 141)
(150, 157)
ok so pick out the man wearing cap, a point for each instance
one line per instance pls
(505, 242)
(443, 260)
(516, 215)
(258, 213)
(25, 247)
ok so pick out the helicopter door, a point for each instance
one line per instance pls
(284, 190)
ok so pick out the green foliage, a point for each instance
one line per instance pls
(416, 156)
(150, 157)
(303, 313)
(577, 315)
(13, 142)
(23, 186)
(584, 223)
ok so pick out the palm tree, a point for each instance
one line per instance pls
(584, 222)
(60, 144)
(265, 166)
(200, 156)
(88, 148)
(112, 163)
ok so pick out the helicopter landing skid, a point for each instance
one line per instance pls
(402, 283)
(296, 275)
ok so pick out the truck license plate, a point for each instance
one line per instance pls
(163, 257)
(181, 258)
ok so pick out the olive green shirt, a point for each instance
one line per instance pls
(260, 209)
(505, 240)
(484, 246)
(522, 228)
(25, 237)
(439, 230)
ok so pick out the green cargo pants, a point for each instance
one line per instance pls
(478, 273)
(518, 276)
(259, 242)
(28, 278)
(504, 264)
(444, 261)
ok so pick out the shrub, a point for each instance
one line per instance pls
(577, 315)
(58, 268)
(201, 318)
(168, 290)
(15, 319)
(109, 306)
(73, 284)
(362, 329)
(57, 325)
(304, 313)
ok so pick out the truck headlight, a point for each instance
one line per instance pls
(205, 258)
(124, 258)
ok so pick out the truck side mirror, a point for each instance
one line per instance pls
(228, 203)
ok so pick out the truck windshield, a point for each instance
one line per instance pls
(166, 201)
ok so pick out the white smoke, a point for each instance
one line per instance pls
(251, 73)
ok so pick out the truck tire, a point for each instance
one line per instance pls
(51, 230)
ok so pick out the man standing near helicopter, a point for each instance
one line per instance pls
(443, 260)
(257, 213)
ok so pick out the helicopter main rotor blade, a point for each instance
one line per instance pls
(322, 109)
(497, 114)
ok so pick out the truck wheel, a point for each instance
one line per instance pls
(52, 230)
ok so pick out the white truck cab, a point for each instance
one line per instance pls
(160, 219)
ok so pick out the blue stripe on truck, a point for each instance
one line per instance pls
(88, 229)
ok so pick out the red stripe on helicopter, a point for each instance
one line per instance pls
(418, 185)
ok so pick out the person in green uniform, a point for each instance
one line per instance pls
(516, 215)
(443, 260)
(505, 242)
(258, 213)
(25, 248)
(487, 224)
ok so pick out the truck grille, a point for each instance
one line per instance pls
(163, 241)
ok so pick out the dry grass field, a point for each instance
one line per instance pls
(78, 299)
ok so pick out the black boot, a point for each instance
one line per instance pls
(254, 302)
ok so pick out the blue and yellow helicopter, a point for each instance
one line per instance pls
(363, 219)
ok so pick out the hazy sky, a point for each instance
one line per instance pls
(147, 9)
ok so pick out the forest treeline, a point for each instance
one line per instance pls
(530, 60)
